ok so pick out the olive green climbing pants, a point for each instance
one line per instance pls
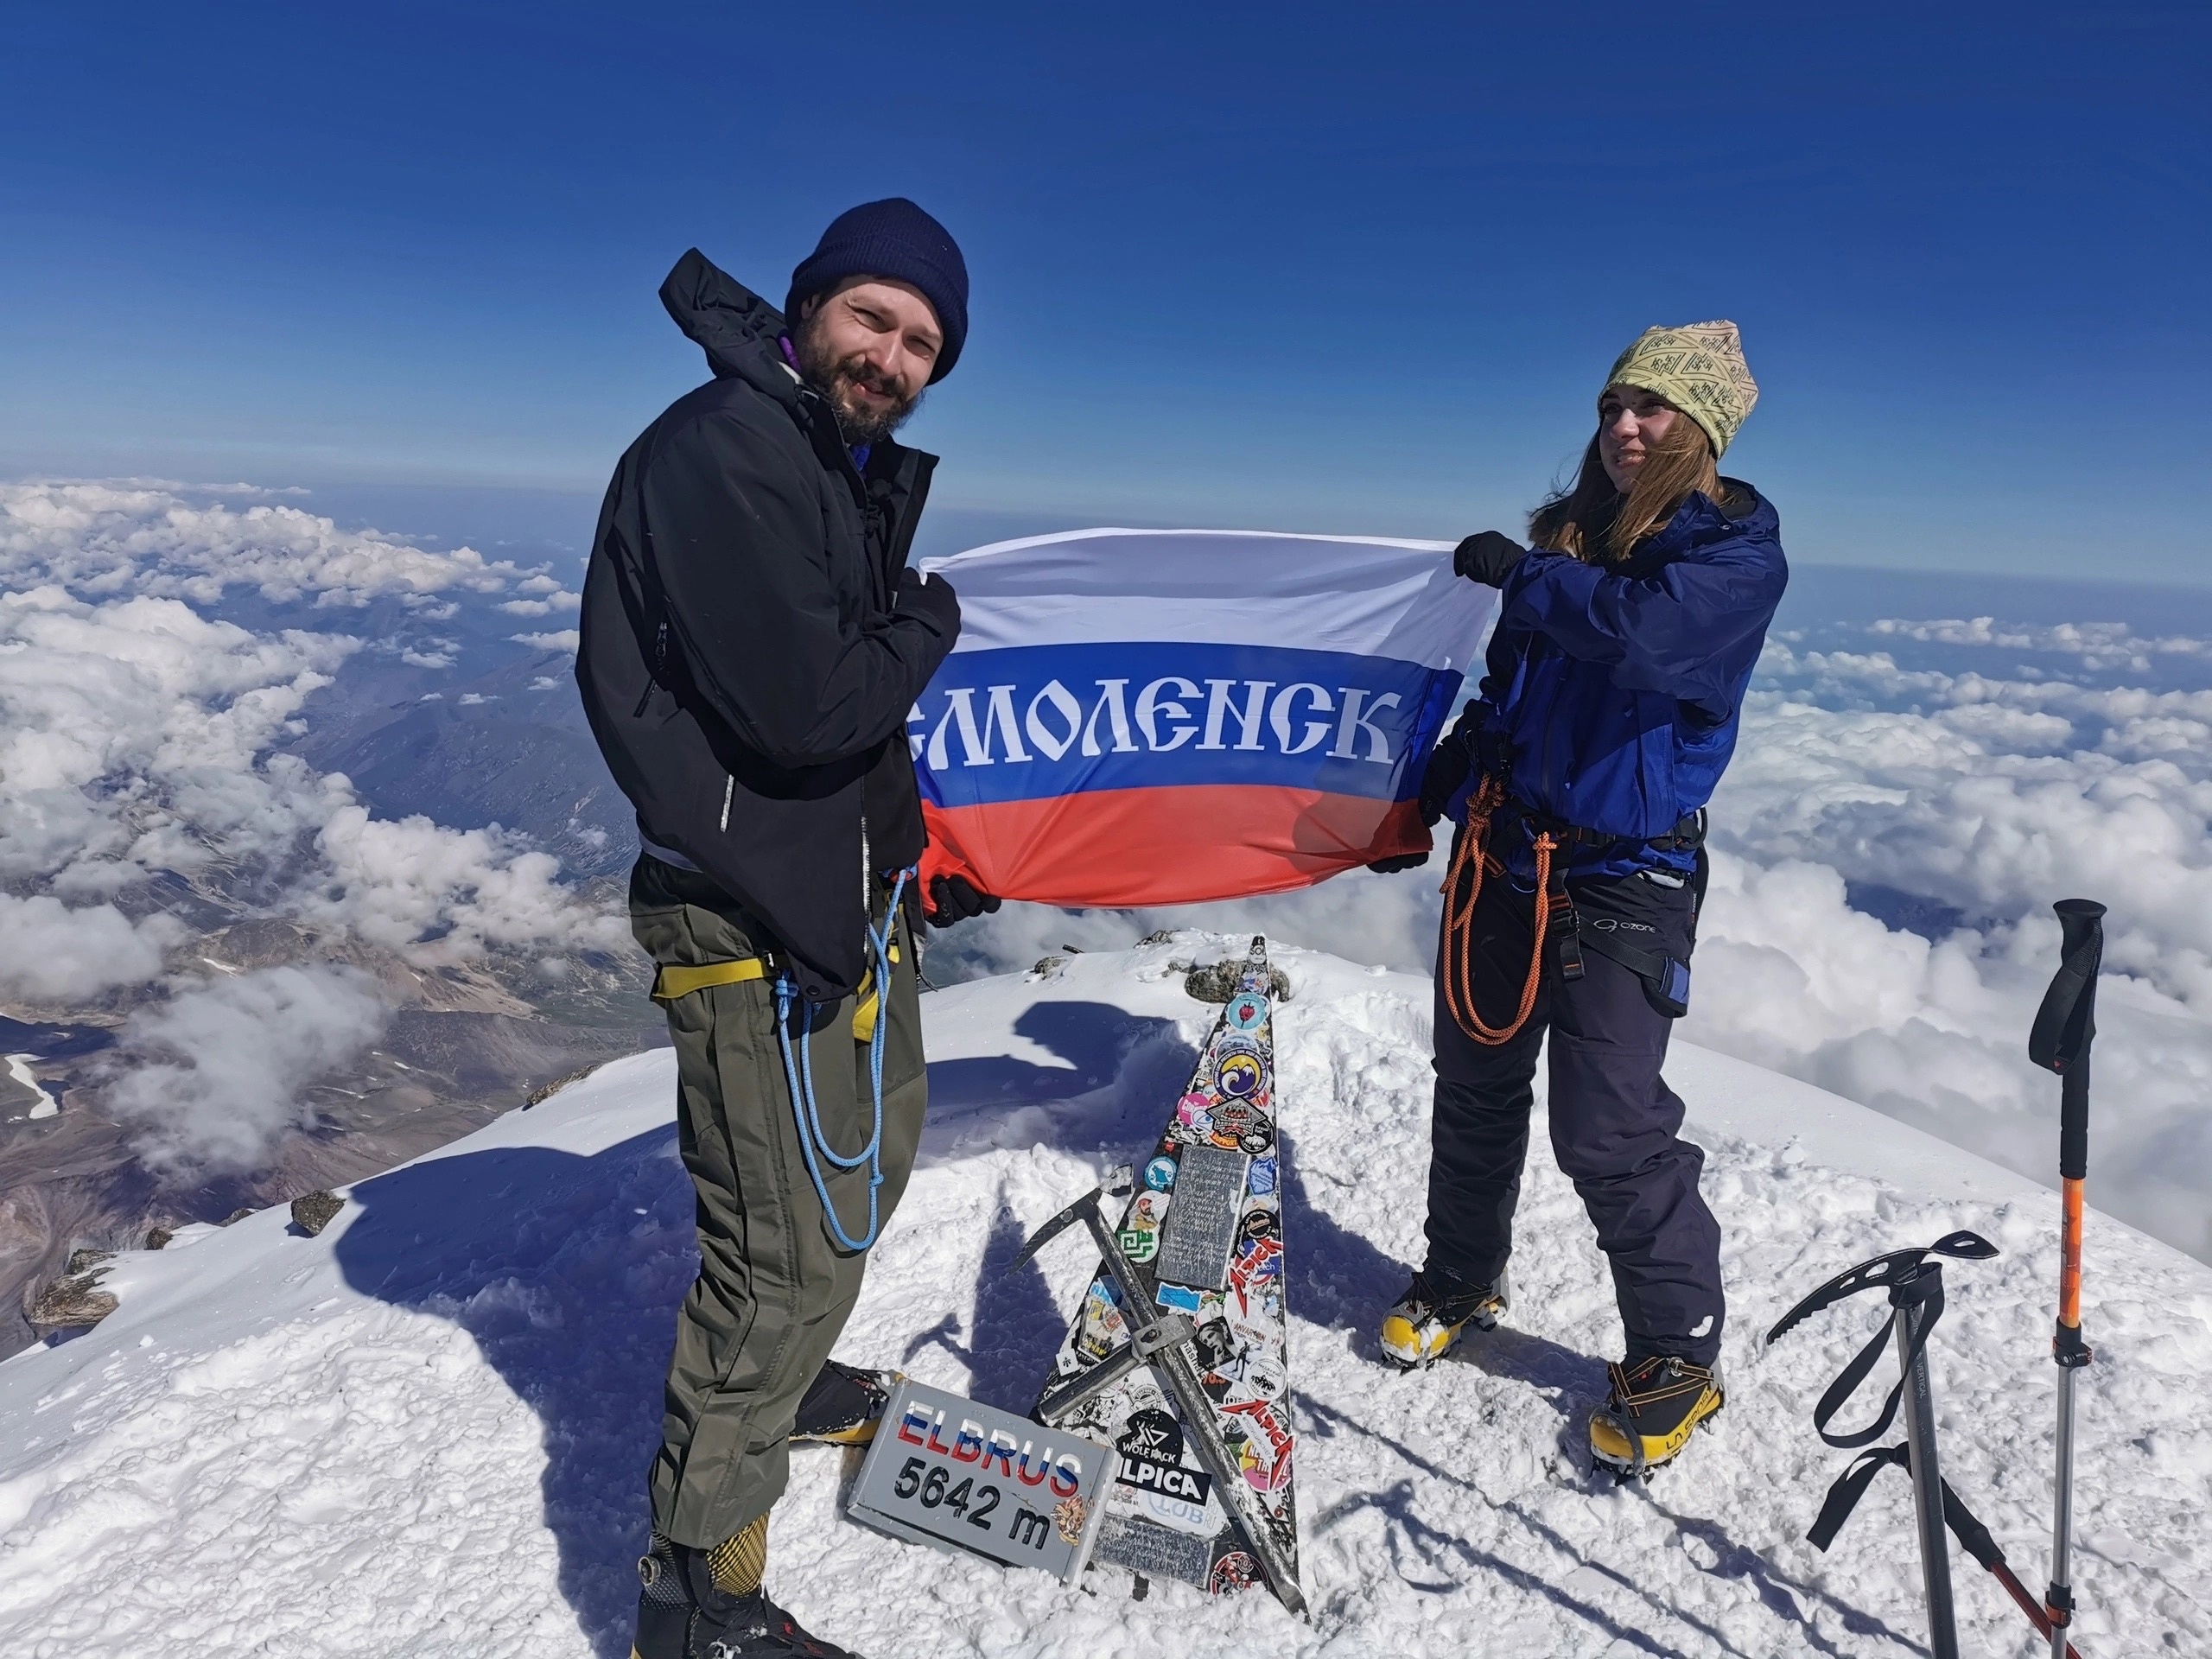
(774, 1287)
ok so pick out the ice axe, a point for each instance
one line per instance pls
(2059, 1041)
(1168, 1343)
(1915, 1285)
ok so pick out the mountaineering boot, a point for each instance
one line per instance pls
(1424, 1323)
(843, 1405)
(1655, 1406)
(708, 1603)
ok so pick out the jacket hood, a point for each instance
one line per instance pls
(735, 328)
(1701, 520)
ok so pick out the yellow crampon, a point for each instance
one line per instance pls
(1418, 1332)
(1652, 1413)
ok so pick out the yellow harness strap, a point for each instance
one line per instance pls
(864, 1011)
(670, 981)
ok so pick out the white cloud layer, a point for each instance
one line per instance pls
(216, 1071)
(442, 894)
(50, 953)
(133, 739)
(98, 538)
(2099, 644)
(136, 736)
(131, 734)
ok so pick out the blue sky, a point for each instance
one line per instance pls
(1349, 268)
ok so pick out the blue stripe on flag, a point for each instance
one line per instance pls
(1033, 722)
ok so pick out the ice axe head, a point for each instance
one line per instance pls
(1117, 1182)
(1883, 1273)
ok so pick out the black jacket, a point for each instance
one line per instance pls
(752, 641)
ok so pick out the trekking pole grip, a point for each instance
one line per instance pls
(2067, 1023)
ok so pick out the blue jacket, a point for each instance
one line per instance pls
(1615, 689)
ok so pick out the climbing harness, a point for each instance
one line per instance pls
(1667, 978)
(798, 1073)
(1462, 886)
(674, 980)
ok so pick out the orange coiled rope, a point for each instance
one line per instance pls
(1463, 885)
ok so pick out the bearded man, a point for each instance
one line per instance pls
(752, 644)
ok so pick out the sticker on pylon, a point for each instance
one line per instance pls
(1205, 1492)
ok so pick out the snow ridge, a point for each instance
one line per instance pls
(424, 1432)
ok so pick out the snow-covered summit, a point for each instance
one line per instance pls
(424, 1432)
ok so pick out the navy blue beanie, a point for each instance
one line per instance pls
(893, 239)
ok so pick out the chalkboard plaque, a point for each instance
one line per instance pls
(1201, 1224)
(1155, 1551)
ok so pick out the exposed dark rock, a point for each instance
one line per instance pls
(157, 1236)
(312, 1211)
(243, 1210)
(85, 1260)
(71, 1305)
(1216, 981)
(547, 1090)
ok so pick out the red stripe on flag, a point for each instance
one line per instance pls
(1140, 847)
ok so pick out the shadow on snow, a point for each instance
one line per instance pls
(568, 1270)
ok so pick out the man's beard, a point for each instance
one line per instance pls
(836, 380)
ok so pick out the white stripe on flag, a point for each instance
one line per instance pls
(1365, 596)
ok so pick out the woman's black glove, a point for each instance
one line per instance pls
(1449, 765)
(1486, 556)
(1400, 861)
(953, 898)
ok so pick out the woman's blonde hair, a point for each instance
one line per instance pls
(1596, 522)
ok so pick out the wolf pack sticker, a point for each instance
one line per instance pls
(1204, 1230)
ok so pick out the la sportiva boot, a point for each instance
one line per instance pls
(708, 1603)
(1423, 1323)
(843, 1405)
(1655, 1406)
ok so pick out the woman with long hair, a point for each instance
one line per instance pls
(1578, 778)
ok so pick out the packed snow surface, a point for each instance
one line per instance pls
(424, 1433)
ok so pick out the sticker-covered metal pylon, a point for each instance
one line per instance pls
(1180, 1356)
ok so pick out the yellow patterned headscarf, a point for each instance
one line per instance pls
(1699, 369)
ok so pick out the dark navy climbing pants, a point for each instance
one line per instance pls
(1615, 1125)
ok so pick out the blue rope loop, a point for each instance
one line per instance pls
(798, 1074)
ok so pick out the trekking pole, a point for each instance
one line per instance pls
(2065, 1024)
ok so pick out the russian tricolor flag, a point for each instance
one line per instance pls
(1160, 718)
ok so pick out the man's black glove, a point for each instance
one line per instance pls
(929, 598)
(1400, 861)
(953, 898)
(1486, 556)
